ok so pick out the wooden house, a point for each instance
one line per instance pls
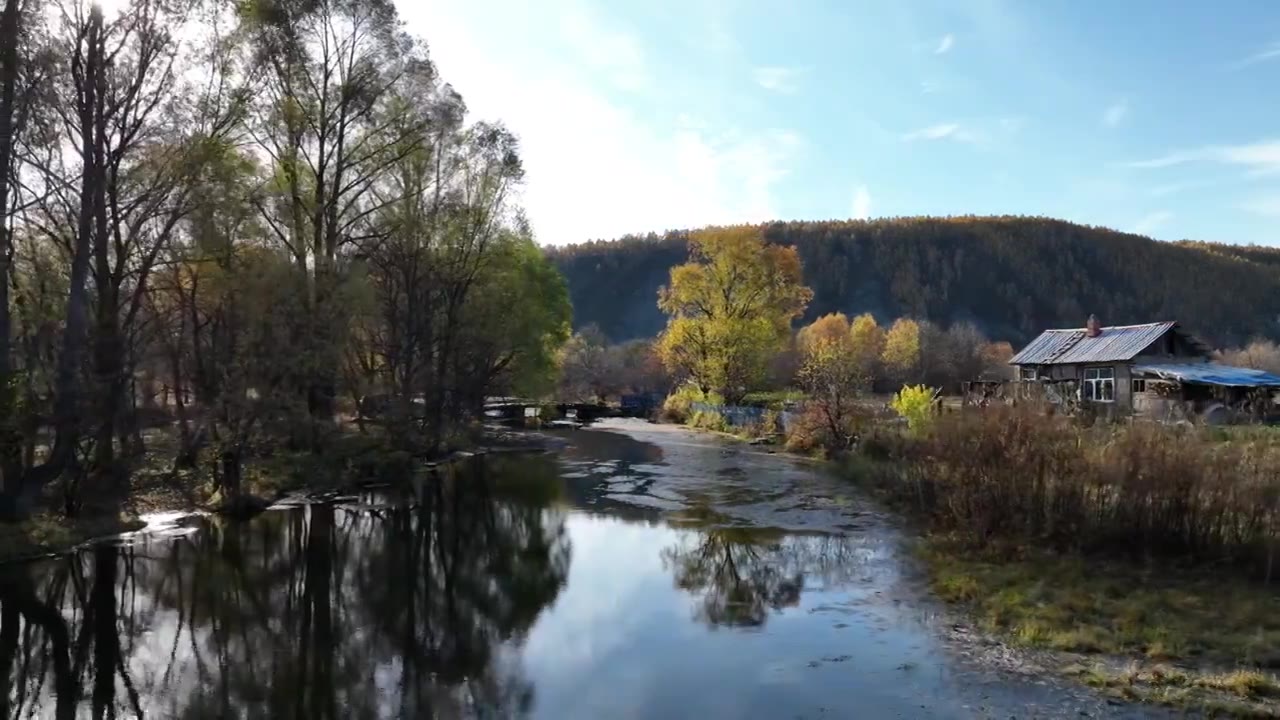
(1148, 368)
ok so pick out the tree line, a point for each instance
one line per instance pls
(731, 310)
(1011, 277)
(248, 217)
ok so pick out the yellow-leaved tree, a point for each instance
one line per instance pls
(901, 354)
(868, 344)
(730, 308)
(832, 373)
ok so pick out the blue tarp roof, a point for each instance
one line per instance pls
(1210, 374)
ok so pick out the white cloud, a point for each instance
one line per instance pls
(1150, 222)
(616, 54)
(1270, 52)
(861, 203)
(1260, 158)
(777, 79)
(942, 131)
(945, 44)
(595, 167)
(1115, 114)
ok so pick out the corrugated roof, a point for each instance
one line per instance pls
(1210, 374)
(1115, 344)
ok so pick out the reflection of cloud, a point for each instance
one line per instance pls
(585, 623)
(945, 44)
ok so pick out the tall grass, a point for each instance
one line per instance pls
(1014, 474)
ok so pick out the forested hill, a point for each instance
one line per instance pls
(1012, 276)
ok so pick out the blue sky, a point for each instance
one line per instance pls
(638, 115)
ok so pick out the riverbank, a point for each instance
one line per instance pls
(1123, 617)
(1108, 553)
(350, 462)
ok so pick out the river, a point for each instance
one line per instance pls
(640, 571)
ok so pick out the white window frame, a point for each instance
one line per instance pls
(1028, 373)
(1099, 384)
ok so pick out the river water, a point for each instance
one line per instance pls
(639, 572)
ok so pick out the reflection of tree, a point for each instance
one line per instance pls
(741, 574)
(321, 612)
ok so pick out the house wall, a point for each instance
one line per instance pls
(1123, 380)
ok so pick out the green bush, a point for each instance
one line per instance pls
(914, 403)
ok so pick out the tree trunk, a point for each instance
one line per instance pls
(66, 407)
(10, 455)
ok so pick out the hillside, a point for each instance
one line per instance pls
(1012, 276)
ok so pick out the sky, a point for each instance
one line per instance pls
(1155, 117)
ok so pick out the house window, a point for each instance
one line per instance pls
(1139, 385)
(1029, 373)
(1100, 384)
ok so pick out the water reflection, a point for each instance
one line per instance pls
(320, 612)
(741, 574)
(459, 600)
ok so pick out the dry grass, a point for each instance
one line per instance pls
(1066, 603)
(1236, 693)
(1142, 491)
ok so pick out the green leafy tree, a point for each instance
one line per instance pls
(730, 308)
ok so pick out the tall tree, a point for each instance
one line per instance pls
(729, 307)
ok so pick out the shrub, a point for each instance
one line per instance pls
(914, 403)
(677, 408)
(1008, 473)
(708, 420)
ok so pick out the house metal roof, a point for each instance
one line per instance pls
(1115, 344)
(1210, 374)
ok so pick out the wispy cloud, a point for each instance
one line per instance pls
(945, 44)
(777, 79)
(1260, 158)
(942, 131)
(1270, 52)
(861, 203)
(1116, 113)
(1013, 123)
(928, 87)
(1265, 205)
(618, 55)
(1151, 222)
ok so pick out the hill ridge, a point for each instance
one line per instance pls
(1011, 275)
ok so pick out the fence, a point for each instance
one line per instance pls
(742, 415)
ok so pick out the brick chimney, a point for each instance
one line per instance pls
(1092, 328)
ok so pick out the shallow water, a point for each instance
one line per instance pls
(639, 573)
